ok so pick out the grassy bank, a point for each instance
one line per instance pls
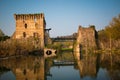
(67, 49)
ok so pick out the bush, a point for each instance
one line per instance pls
(18, 46)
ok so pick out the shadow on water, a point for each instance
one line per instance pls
(63, 67)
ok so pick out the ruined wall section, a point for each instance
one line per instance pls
(86, 41)
(87, 38)
(30, 25)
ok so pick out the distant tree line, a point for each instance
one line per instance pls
(3, 37)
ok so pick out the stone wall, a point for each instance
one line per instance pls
(86, 39)
(30, 25)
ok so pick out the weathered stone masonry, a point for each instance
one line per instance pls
(30, 25)
(86, 40)
(87, 37)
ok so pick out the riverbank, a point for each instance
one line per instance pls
(14, 47)
(108, 51)
(67, 49)
(17, 55)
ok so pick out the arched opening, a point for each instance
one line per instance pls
(49, 52)
(55, 51)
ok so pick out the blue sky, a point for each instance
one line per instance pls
(63, 16)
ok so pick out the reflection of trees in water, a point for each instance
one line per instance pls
(91, 64)
(3, 70)
(68, 56)
(111, 62)
(26, 67)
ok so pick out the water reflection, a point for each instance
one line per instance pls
(7, 76)
(64, 73)
(99, 66)
(23, 68)
(89, 67)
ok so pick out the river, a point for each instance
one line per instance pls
(103, 66)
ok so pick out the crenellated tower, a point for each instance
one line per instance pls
(30, 25)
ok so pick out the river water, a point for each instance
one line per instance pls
(104, 66)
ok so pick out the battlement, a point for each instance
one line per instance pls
(30, 25)
(28, 16)
(91, 27)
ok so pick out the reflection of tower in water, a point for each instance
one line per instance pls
(88, 65)
(25, 67)
(31, 69)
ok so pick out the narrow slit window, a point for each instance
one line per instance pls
(25, 26)
(34, 34)
(24, 34)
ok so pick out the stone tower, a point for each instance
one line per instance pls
(30, 25)
(86, 40)
(87, 37)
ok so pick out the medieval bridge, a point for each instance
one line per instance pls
(63, 39)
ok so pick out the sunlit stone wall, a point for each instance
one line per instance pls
(30, 25)
(86, 40)
(87, 37)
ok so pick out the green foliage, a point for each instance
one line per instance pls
(58, 47)
(102, 35)
(18, 46)
(3, 38)
(110, 36)
(1, 33)
(113, 29)
(67, 49)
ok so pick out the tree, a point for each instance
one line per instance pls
(111, 34)
(113, 29)
(1, 33)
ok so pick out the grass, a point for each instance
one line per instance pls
(67, 49)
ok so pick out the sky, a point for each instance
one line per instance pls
(63, 16)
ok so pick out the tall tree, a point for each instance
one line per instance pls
(110, 36)
(113, 29)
